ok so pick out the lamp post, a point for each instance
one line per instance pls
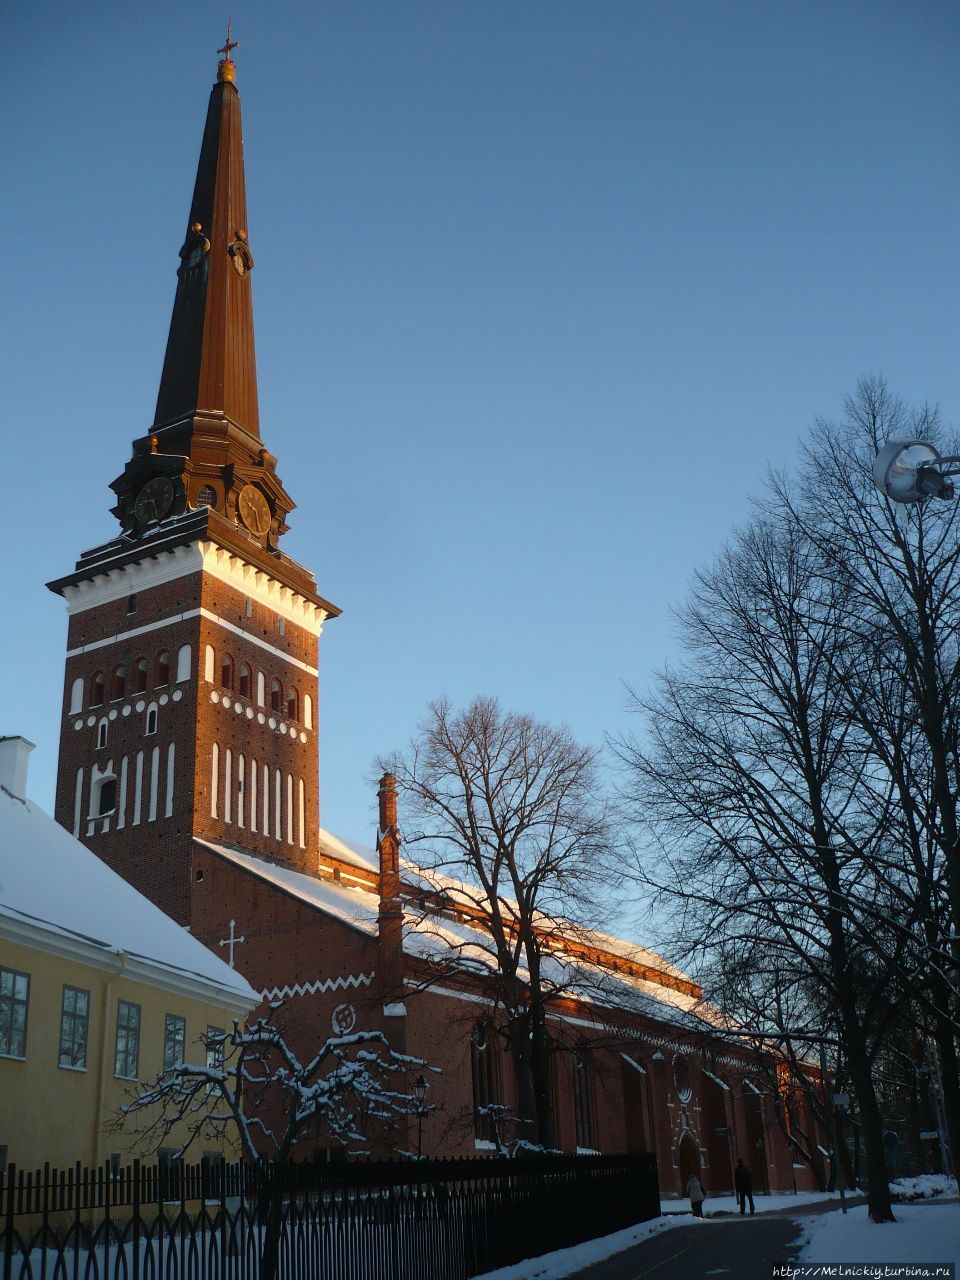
(420, 1093)
(913, 470)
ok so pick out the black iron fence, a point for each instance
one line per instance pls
(391, 1220)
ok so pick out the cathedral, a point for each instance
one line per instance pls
(188, 763)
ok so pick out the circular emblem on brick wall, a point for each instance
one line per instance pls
(343, 1019)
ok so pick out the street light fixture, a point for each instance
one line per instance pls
(912, 470)
(420, 1093)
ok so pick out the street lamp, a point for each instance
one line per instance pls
(912, 470)
(420, 1093)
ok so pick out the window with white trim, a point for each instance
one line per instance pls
(126, 1058)
(74, 1026)
(174, 1040)
(14, 1002)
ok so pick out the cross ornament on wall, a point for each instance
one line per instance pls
(231, 942)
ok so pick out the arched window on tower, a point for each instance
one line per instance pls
(226, 671)
(261, 690)
(276, 696)
(307, 711)
(184, 661)
(118, 683)
(141, 676)
(209, 663)
(97, 689)
(102, 734)
(293, 703)
(244, 680)
(162, 669)
(105, 800)
(151, 726)
(76, 695)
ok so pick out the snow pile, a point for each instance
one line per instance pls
(925, 1186)
(50, 881)
(923, 1233)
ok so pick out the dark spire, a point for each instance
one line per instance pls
(210, 367)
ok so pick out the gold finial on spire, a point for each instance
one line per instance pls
(225, 68)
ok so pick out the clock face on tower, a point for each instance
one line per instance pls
(254, 510)
(154, 500)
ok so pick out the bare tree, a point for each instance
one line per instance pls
(351, 1084)
(506, 820)
(768, 809)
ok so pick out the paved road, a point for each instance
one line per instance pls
(731, 1248)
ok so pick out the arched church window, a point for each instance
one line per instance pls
(583, 1102)
(209, 662)
(207, 497)
(141, 677)
(276, 696)
(97, 689)
(101, 734)
(681, 1078)
(293, 703)
(226, 672)
(151, 719)
(261, 689)
(307, 711)
(243, 683)
(162, 675)
(76, 695)
(484, 1063)
(118, 683)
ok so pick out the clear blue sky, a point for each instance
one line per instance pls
(541, 290)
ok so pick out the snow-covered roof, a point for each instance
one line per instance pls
(443, 940)
(348, 850)
(51, 882)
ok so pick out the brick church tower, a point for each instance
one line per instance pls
(190, 697)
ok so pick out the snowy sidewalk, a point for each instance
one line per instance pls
(771, 1231)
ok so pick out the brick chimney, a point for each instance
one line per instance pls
(390, 917)
(14, 762)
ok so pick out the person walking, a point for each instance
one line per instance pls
(743, 1185)
(697, 1195)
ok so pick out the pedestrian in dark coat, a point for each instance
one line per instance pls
(743, 1185)
(697, 1195)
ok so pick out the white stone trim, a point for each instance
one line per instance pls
(198, 557)
(320, 987)
(185, 617)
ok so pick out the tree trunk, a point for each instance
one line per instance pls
(871, 1130)
(540, 1068)
(519, 1036)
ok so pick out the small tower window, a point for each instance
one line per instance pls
(101, 734)
(207, 497)
(248, 607)
(243, 686)
(118, 683)
(307, 711)
(226, 672)
(261, 689)
(282, 625)
(163, 668)
(276, 696)
(132, 602)
(293, 704)
(209, 660)
(141, 677)
(97, 689)
(151, 719)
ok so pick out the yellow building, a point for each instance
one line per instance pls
(99, 989)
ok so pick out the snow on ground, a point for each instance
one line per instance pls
(923, 1233)
(674, 1213)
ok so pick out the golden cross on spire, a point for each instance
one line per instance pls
(230, 44)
